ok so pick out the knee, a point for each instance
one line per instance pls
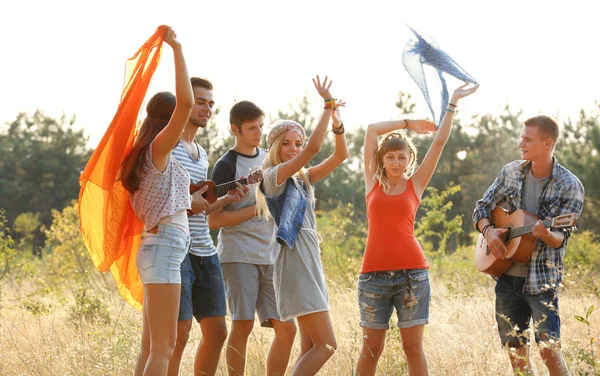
(241, 329)
(372, 349)
(164, 348)
(218, 334)
(286, 332)
(412, 350)
(183, 334)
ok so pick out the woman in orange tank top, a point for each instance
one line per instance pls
(394, 273)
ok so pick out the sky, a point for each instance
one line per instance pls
(69, 56)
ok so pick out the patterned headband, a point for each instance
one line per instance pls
(281, 127)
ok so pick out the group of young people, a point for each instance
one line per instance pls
(268, 259)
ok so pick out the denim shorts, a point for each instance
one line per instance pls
(202, 288)
(380, 292)
(514, 310)
(160, 255)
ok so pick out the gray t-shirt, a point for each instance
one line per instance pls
(533, 190)
(252, 241)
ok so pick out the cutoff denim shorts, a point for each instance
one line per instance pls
(160, 255)
(380, 292)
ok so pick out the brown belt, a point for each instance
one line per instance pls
(153, 230)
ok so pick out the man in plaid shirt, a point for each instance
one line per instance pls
(537, 184)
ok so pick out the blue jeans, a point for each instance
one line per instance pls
(202, 288)
(514, 310)
(380, 292)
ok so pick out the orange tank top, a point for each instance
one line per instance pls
(391, 242)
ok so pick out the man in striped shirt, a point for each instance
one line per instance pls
(537, 184)
(202, 289)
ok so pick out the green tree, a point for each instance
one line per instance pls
(41, 159)
(578, 150)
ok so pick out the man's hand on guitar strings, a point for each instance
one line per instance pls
(238, 193)
(495, 243)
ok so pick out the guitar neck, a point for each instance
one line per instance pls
(527, 229)
(226, 187)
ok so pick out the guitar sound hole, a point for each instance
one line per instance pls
(506, 235)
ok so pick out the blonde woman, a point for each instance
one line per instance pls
(394, 272)
(287, 195)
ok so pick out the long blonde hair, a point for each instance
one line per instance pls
(273, 159)
(393, 142)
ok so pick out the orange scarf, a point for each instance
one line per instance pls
(111, 231)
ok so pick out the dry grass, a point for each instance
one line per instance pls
(461, 338)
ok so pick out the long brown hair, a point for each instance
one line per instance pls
(393, 142)
(159, 111)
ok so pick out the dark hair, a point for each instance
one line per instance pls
(546, 125)
(244, 111)
(159, 111)
(201, 82)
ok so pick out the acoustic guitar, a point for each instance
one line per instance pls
(519, 247)
(214, 191)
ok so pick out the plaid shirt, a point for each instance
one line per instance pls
(562, 194)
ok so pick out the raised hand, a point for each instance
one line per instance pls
(421, 126)
(336, 119)
(171, 38)
(323, 88)
(464, 90)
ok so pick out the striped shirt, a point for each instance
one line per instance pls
(202, 244)
(562, 194)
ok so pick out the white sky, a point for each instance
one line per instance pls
(69, 56)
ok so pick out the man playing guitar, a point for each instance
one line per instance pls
(537, 184)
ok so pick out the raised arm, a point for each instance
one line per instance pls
(422, 176)
(340, 153)
(166, 140)
(313, 146)
(377, 129)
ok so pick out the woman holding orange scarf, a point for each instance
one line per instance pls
(158, 189)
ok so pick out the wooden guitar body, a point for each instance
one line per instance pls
(211, 193)
(519, 249)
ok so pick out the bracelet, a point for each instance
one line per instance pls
(485, 228)
(339, 130)
(449, 110)
(451, 104)
(406, 121)
(330, 103)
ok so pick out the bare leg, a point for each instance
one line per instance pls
(281, 348)
(214, 334)
(235, 352)
(183, 334)
(372, 348)
(320, 331)
(554, 360)
(145, 346)
(161, 301)
(519, 360)
(412, 343)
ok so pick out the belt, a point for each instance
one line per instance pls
(153, 230)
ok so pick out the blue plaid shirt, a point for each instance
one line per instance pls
(562, 194)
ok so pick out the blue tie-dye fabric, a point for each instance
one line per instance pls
(418, 53)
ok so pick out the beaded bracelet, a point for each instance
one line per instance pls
(339, 130)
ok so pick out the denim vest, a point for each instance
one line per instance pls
(288, 211)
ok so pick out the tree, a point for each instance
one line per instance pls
(41, 159)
